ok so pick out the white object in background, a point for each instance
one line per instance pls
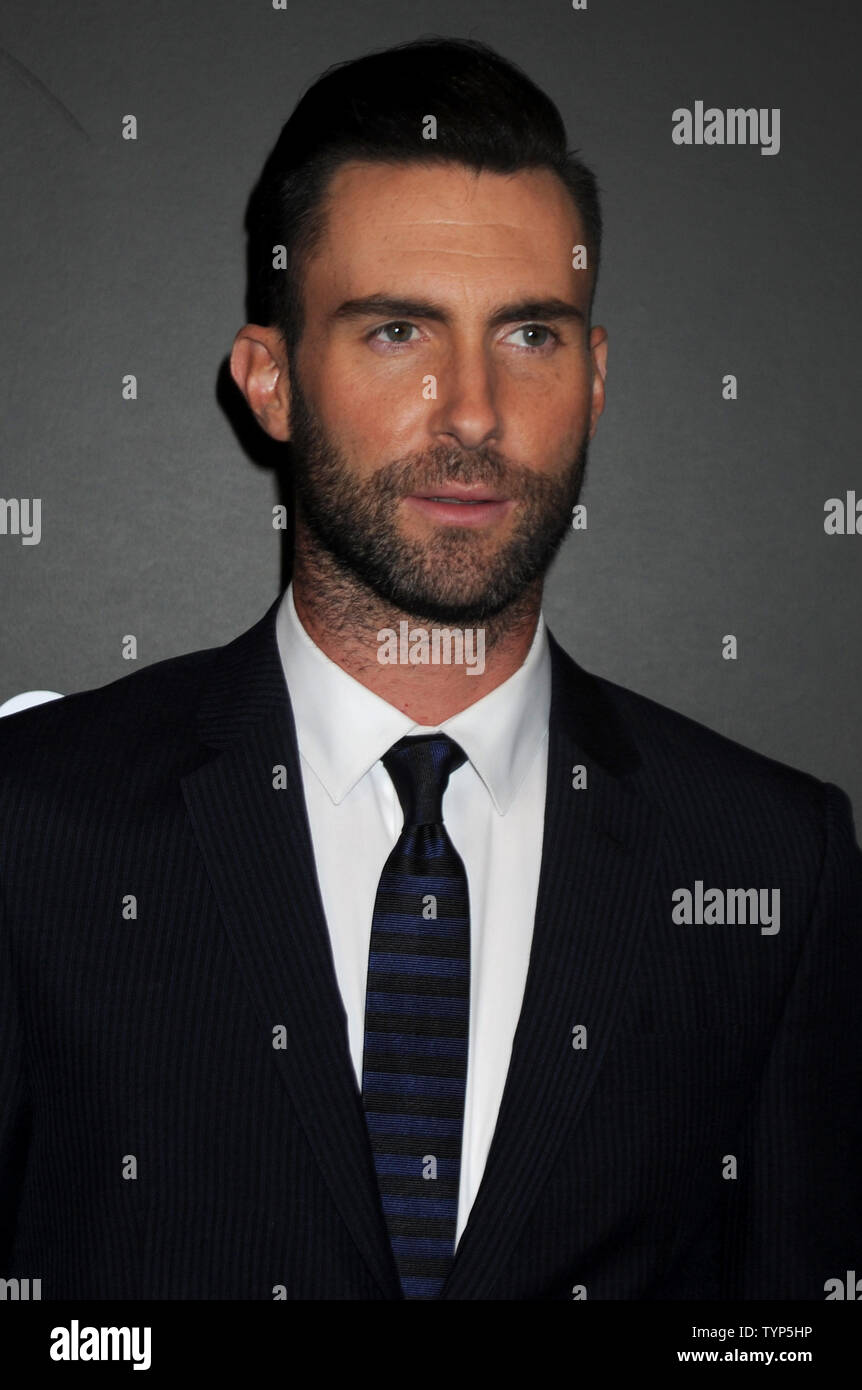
(28, 698)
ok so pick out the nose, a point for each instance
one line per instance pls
(467, 405)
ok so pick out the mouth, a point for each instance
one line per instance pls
(461, 506)
(462, 492)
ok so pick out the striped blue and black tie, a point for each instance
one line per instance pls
(417, 1018)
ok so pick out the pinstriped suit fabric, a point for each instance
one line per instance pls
(179, 1116)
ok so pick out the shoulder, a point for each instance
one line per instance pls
(706, 783)
(85, 732)
(726, 803)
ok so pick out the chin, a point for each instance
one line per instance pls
(463, 608)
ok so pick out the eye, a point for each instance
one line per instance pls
(398, 328)
(538, 336)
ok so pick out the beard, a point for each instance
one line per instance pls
(456, 575)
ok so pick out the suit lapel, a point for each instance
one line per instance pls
(256, 844)
(598, 858)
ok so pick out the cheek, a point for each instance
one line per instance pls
(376, 414)
(546, 415)
(372, 423)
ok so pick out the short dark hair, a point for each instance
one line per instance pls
(489, 115)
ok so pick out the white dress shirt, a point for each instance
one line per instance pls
(493, 809)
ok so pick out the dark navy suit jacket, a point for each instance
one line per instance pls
(706, 1142)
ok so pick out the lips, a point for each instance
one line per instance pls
(461, 506)
(461, 492)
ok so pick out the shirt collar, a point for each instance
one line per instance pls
(343, 728)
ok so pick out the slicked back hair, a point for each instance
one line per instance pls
(489, 116)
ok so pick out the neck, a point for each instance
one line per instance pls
(373, 641)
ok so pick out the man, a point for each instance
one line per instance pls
(386, 952)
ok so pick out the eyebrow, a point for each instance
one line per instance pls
(385, 306)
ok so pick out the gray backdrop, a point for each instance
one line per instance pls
(705, 515)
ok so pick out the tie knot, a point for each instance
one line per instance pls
(420, 768)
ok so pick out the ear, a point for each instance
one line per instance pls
(599, 354)
(258, 365)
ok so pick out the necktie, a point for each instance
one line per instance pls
(417, 1016)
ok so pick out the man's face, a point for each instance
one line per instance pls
(444, 355)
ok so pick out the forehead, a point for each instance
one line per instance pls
(444, 224)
